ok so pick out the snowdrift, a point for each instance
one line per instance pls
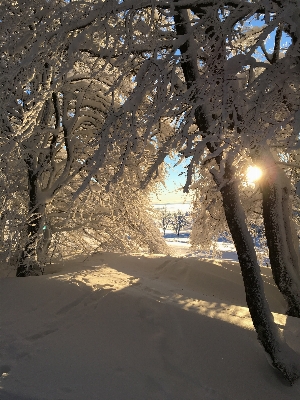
(135, 327)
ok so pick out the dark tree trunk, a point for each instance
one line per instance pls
(283, 253)
(283, 358)
(28, 263)
(267, 331)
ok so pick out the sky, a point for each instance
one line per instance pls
(172, 192)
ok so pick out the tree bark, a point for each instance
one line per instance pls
(283, 249)
(283, 358)
(28, 263)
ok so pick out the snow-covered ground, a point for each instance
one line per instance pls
(137, 327)
(173, 207)
(181, 246)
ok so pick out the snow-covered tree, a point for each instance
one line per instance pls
(179, 221)
(59, 147)
(120, 219)
(164, 218)
(196, 73)
(54, 116)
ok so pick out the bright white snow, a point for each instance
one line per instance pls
(137, 327)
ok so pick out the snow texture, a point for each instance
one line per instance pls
(131, 327)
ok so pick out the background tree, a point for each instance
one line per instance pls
(165, 218)
(179, 220)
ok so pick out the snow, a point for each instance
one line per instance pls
(111, 326)
(173, 207)
(180, 246)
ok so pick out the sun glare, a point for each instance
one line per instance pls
(253, 174)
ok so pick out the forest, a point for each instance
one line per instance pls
(95, 94)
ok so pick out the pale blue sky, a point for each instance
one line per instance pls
(175, 180)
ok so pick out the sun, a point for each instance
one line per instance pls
(253, 174)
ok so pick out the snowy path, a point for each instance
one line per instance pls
(135, 327)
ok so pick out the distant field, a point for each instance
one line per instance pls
(172, 207)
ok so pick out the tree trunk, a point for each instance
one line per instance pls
(283, 358)
(44, 243)
(283, 248)
(28, 263)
